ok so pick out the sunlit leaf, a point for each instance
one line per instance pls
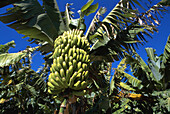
(91, 9)
(7, 59)
(4, 48)
(87, 5)
(30, 19)
(134, 81)
(125, 86)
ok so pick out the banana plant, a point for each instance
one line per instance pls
(152, 76)
(110, 38)
(21, 86)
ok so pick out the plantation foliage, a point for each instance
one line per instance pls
(77, 75)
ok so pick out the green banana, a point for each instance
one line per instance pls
(77, 51)
(69, 41)
(80, 70)
(56, 74)
(63, 51)
(80, 57)
(59, 66)
(82, 43)
(61, 46)
(75, 41)
(49, 91)
(65, 82)
(62, 73)
(54, 60)
(78, 42)
(69, 72)
(74, 55)
(60, 82)
(85, 75)
(84, 66)
(55, 68)
(74, 49)
(55, 84)
(52, 75)
(83, 85)
(70, 58)
(50, 85)
(61, 59)
(70, 69)
(57, 60)
(83, 52)
(67, 48)
(57, 53)
(71, 82)
(79, 65)
(67, 75)
(77, 57)
(87, 59)
(66, 58)
(84, 58)
(70, 62)
(74, 63)
(77, 85)
(64, 65)
(70, 52)
(52, 69)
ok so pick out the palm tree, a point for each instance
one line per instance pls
(112, 38)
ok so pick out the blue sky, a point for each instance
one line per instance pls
(158, 41)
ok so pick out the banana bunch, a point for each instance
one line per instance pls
(69, 71)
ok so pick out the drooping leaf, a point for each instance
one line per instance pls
(4, 48)
(7, 59)
(90, 9)
(30, 19)
(132, 80)
(126, 26)
(52, 10)
(112, 85)
(87, 5)
(126, 87)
